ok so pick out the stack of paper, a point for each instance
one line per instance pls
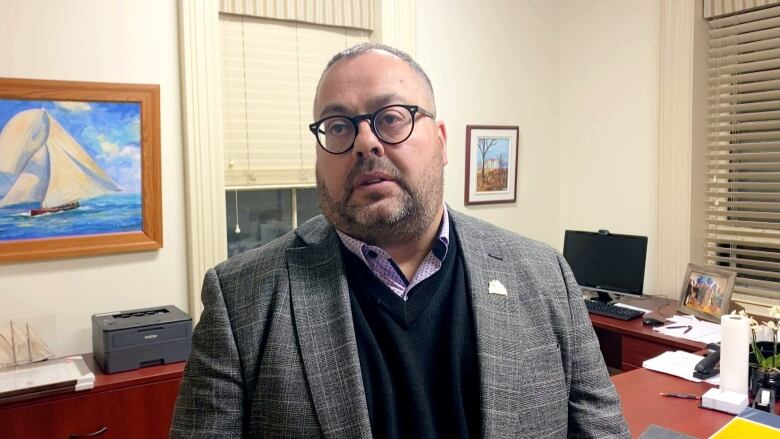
(678, 363)
(701, 331)
(44, 378)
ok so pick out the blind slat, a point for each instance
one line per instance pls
(737, 185)
(744, 57)
(755, 265)
(742, 215)
(738, 98)
(747, 271)
(724, 233)
(721, 79)
(743, 117)
(757, 225)
(741, 241)
(719, 52)
(742, 147)
(724, 154)
(748, 175)
(741, 251)
(731, 232)
(768, 294)
(743, 195)
(725, 107)
(746, 126)
(716, 89)
(758, 283)
(771, 135)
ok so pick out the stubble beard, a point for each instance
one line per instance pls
(403, 219)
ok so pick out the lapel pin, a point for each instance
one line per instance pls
(495, 287)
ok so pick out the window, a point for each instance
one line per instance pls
(269, 74)
(264, 215)
(743, 151)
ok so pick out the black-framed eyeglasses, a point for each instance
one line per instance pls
(392, 124)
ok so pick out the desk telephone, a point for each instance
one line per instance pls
(708, 366)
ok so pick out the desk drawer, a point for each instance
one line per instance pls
(134, 412)
(637, 350)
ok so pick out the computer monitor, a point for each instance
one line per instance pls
(606, 263)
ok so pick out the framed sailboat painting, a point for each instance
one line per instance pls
(79, 169)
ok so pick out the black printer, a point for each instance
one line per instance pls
(126, 340)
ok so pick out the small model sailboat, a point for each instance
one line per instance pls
(41, 163)
(20, 345)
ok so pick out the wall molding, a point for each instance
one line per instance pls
(675, 145)
(202, 136)
(395, 24)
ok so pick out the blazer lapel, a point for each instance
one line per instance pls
(496, 322)
(323, 324)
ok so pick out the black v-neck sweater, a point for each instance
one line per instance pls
(418, 357)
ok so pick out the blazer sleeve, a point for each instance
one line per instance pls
(594, 405)
(211, 396)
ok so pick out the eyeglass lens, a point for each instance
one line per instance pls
(392, 125)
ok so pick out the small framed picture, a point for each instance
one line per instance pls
(491, 164)
(706, 291)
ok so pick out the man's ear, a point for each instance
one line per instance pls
(441, 134)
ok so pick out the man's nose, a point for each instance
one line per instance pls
(366, 141)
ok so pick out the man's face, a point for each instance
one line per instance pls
(377, 192)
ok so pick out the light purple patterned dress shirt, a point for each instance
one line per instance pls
(386, 270)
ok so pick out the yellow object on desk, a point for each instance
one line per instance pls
(741, 428)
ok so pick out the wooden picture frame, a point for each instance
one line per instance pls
(491, 164)
(706, 291)
(96, 142)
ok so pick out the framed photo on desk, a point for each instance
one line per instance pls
(706, 291)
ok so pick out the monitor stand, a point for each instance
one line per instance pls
(603, 297)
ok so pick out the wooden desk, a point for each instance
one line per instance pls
(133, 404)
(643, 406)
(626, 344)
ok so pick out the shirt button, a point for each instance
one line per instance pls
(372, 254)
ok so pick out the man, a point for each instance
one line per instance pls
(392, 316)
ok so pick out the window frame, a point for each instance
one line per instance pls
(394, 24)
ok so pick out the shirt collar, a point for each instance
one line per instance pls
(360, 248)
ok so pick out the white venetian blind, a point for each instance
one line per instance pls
(743, 157)
(270, 70)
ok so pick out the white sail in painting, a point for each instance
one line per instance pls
(41, 162)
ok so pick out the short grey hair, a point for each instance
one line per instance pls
(362, 48)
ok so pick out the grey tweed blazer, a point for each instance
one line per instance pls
(274, 354)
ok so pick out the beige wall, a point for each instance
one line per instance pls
(93, 40)
(609, 119)
(581, 81)
(499, 66)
